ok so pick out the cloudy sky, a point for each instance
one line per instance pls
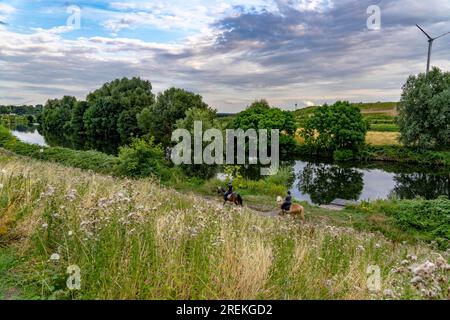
(231, 51)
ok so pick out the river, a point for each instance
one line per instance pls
(322, 183)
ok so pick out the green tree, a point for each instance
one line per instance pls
(424, 110)
(112, 111)
(208, 119)
(260, 115)
(171, 105)
(336, 127)
(76, 120)
(56, 114)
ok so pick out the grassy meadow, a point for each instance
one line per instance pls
(134, 239)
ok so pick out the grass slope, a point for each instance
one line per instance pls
(137, 240)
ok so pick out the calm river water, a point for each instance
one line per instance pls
(322, 183)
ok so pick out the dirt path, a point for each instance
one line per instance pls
(257, 209)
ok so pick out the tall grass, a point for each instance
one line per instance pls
(137, 240)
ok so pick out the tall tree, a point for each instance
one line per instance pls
(260, 115)
(171, 105)
(424, 110)
(112, 109)
(76, 120)
(336, 127)
(57, 114)
(208, 119)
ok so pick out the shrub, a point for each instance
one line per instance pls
(431, 218)
(141, 159)
(427, 220)
(343, 155)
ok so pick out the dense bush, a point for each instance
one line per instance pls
(142, 158)
(339, 126)
(406, 155)
(343, 155)
(429, 218)
(424, 110)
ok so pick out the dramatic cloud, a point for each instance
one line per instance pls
(292, 52)
(5, 11)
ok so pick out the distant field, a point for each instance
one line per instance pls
(384, 127)
(377, 138)
(380, 115)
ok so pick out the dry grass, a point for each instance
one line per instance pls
(136, 240)
(375, 138)
(382, 138)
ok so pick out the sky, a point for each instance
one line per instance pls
(294, 53)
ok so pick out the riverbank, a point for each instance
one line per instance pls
(134, 239)
(260, 195)
(386, 153)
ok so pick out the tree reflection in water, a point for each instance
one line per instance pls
(325, 183)
(421, 185)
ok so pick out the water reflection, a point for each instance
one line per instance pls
(324, 183)
(29, 134)
(321, 183)
(80, 142)
(424, 185)
(315, 182)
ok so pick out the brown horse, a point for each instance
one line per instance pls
(296, 210)
(233, 198)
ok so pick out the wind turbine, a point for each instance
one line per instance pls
(430, 44)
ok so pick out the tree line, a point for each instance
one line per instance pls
(124, 110)
(125, 114)
(23, 110)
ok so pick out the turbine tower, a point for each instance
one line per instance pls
(430, 44)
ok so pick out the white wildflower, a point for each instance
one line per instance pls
(424, 269)
(411, 257)
(404, 262)
(49, 191)
(55, 257)
(416, 281)
(388, 293)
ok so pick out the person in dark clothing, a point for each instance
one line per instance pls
(287, 202)
(230, 190)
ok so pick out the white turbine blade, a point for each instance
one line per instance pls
(442, 35)
(428, 36)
